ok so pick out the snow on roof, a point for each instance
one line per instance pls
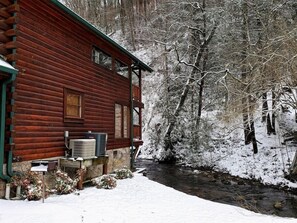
(6, 67)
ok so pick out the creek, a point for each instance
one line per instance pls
(223, 188)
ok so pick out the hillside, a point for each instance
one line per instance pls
(227, 151)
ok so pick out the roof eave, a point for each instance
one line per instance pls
(137, 62)
(7, 68)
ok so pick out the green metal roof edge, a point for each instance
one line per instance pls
(7, 69)
(98, 32)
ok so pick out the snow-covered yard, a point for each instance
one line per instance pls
(133, 200)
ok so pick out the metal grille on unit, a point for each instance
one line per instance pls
(84, 148)
(101, 140)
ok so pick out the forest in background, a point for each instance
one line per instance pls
(234, 59)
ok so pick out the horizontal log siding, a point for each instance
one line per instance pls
(53, 53)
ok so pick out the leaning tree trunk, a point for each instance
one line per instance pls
(171, 125)
(190, 80)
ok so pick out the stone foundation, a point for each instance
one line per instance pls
(21, 166)
(118, 158)
(2, 189)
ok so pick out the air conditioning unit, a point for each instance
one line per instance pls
(101, 140)
(84, 148)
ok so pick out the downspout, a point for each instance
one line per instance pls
(131, 123)
(9, 170)
(2, 131)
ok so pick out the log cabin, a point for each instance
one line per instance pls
(60, 77)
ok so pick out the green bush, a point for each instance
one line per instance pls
(33, 192)
(123, 173)
(105, 182)
(63, 183)
(30, 183)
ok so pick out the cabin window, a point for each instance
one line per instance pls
(102, 58)
(73, 105)
(121, 121)
(121, 68)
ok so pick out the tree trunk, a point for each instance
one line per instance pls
(171, 125)
(252, 125)
(105, 16)
(244, 72)
(203, 73)
(246, 126)
(273, 113)
(253, 137)
(122, 16)
(145, 10)
(130, 10)
(190, 80)
(245, 117)
(264, 106)
(268, 125)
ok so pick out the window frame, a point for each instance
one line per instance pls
(123, 74)
(97, 60)
(81, 106)
(124, 127)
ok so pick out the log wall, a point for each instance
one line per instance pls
(55, 52)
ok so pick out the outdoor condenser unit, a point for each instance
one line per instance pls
(101, 140)
(84, 148)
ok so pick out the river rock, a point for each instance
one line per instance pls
(278, 205)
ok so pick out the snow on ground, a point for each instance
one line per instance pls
(269, 165)
(229, 153)
(133, 200)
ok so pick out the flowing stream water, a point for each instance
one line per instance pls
(223, 188)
